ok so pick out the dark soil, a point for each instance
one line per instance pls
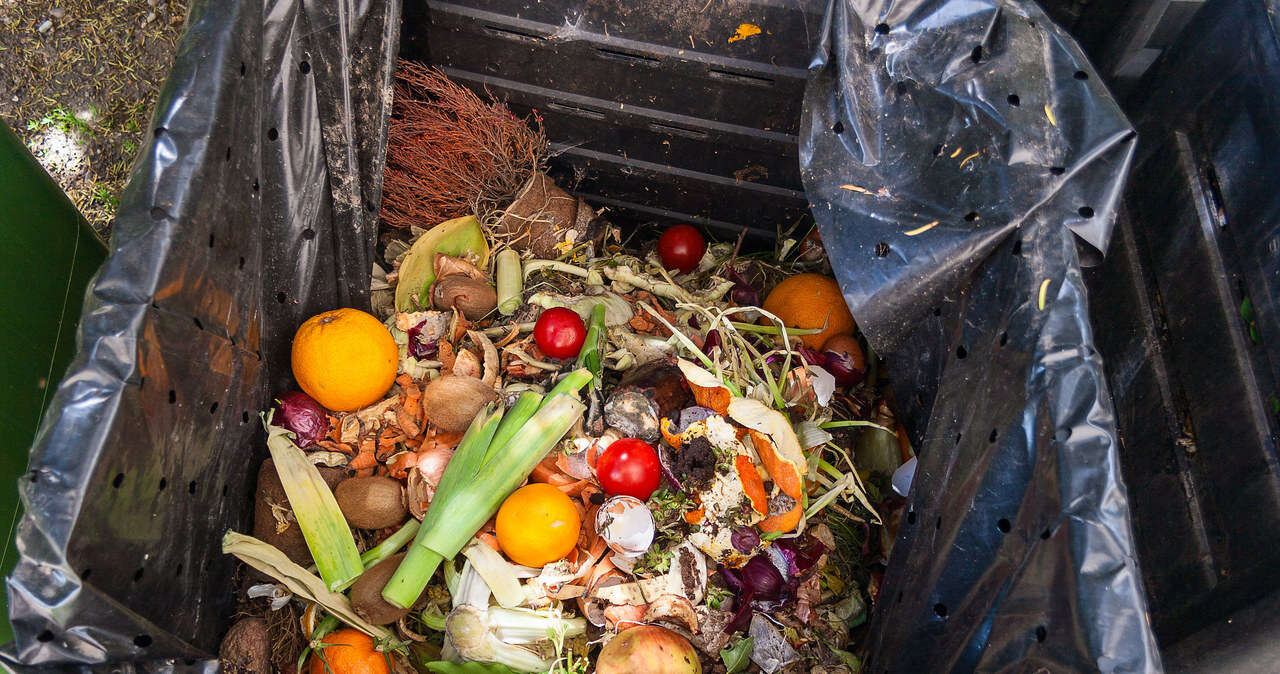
(81, 91)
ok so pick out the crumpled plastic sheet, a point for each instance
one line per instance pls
(958, 154)
(252, 208)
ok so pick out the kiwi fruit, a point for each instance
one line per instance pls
(373, 502)
(452, 402)
(270, 491)
(366, 593)
(247, 648)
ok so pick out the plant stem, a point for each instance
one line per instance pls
(773, 329)
(391, 545)
(510, 281)
(848, 424)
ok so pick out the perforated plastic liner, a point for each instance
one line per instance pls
(956, 154)
(250, 211)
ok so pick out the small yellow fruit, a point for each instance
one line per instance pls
(537, 525)
(345, 359)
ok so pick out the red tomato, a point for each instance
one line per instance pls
(560, 333)
(629, 466)
(681, 247)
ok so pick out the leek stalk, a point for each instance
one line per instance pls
(510, 281)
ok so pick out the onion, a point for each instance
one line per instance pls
(745, 539)
(420, 348)
(842, 357)
(432, 462)
(297, 413)
(812, 356)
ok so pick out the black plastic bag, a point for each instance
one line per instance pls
(250, 211)
(957, 154)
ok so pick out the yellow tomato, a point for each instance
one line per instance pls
(537, 525)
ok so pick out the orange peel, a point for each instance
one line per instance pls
(708, 390)
(752, 484)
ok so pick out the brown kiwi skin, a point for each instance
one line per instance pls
(372, 502)
(452, 402)
(366, 593)
(247, 647)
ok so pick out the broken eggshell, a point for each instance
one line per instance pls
(626, 525)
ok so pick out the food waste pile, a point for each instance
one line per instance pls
(555, 444)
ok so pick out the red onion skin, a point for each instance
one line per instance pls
(298, 413)
(418, 348)
(841, 367)
(711, 341)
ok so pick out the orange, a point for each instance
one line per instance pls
(345, 359)
(537, 525)
(811, 301)
(348, 651)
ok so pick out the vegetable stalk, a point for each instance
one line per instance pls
(391, 544)
(591, 356)
(510, 281)
(323, 527)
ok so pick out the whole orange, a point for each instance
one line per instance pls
(811, 301)
(537, 525)
(345, 359)
(348, 651)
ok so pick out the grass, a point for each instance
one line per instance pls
(94, 77)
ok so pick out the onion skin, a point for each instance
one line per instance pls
(844, 360)
(298, 413)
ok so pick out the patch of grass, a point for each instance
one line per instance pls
(63, 119)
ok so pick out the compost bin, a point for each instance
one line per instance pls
(956, 156)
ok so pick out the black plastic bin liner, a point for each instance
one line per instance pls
(957, 154)
(251, 211)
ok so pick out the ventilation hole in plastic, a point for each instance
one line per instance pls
(901, 88)
(971, 216)
(938, 524)
(281, 297)
(961, 352)
(177, 571)
(242, 262)
(228, 156)
(244, 417)
(137, 575)
(838, 127)
(272, 134)
(958, 437)
(163, 483)
(937, 149)
(1041, 633)
(158, 213)
(243, 69)
(1085, 212)
(34, 476)
(44, 637)
(189, 661)
(199, 325)
(84, 575)
(1004, 338)
(994, 434)
(213, 409)
(255, 185)
(937, 311)
(225, 489)
(160, 131)
(1003, 525)
(142, 640)
(1014, 100)
(211, 240)
(1057, 170)
(911, 517)
(191, 487)
(882, 28)
(976, 54)
(1081, 75)
(173, 396)
(304, 67)
(308, 234)
(882, 249)
(1044, 535)
(119, 480)
(899, 596)
(940, 610)
(1017, 246)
